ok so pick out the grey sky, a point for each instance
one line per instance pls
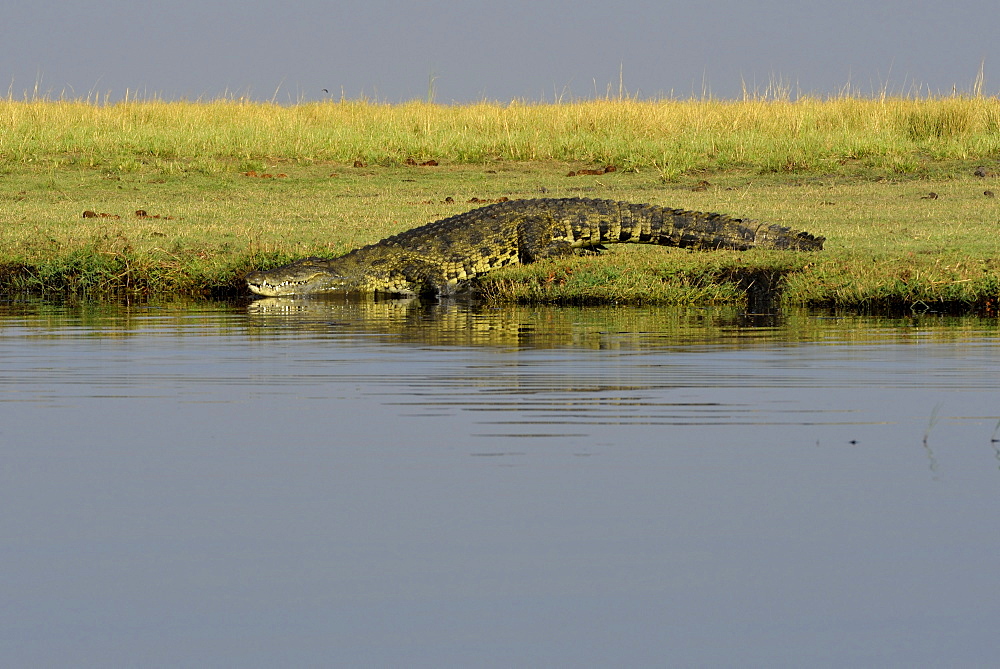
(536, 50)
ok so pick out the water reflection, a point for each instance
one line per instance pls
(318, 482)
(457, 323)
(461, 324)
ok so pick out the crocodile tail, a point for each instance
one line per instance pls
(651, 224)
(770, 236)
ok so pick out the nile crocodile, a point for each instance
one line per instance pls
(442, 256)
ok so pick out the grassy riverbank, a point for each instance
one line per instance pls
(228, 186)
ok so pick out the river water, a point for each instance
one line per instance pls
(349, 483)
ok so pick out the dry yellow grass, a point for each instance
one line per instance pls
(674, 136)
(855, 170)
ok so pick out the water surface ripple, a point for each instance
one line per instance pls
(322, 482)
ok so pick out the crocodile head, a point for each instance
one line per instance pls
(309, 275)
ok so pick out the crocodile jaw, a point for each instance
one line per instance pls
(269, 290)
(277, 286)
(284, 284)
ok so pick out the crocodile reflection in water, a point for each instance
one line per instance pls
(439, 258)
(352, 318)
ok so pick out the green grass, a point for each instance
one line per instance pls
(856, 171)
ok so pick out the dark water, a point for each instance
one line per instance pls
(333, 483)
